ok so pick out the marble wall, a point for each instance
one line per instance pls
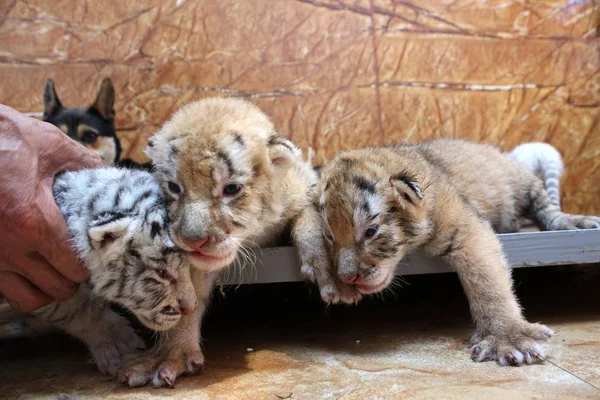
(334, 74)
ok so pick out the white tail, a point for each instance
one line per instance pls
(545, 162)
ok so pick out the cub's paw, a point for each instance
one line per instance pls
(515, 345)
(572, 221)
(331, 289)
(109, 351)
(161, 370)
(348, 293)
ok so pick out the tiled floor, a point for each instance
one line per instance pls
(278, 341)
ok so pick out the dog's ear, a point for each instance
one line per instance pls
(105, 100)
(51, 102)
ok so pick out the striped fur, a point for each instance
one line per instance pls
(232, 183)
(545, 162)
(118, 221)
(445, 197)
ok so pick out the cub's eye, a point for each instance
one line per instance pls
(232, 189)
(369, 233)
(174, 188)
(328, 235)
(89, 137)
(162, 273)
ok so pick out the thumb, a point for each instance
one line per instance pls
(57, 152)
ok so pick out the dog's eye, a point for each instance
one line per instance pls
(369, 233)
(174, 188)
(89, 137)
(232, 189)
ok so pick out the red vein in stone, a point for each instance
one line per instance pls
(376, 70)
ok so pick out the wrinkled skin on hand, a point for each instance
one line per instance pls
(37, 265)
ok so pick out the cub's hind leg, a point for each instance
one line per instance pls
(548, 215)
(178, 350)
(502, 333)
(108, 336)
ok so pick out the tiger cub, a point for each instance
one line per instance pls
(445, 197)
(545, 162)
(118, 221)
(231, 183)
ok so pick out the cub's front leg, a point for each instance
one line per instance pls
(178, 350)
(502, 333)
(307, 235)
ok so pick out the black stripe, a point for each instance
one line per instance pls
(155, 229)
(169, 250)
(93, 200)
(144, 196)
(238, 139)
(364, 184)
(238, 224)
(225, 159)
(122, 279)
(107, 285)
(364, 205)
(118, 197)
(106, 218)
(450, 248)
(280, 140)
(134, 253)
(370, 218)
(410, 182)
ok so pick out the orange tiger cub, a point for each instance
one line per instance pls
(446, 197)
(231, 182)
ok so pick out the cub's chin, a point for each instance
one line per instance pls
(206, 262)
(158, 324)
(372, 287)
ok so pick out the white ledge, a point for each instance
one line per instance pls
(524, 249)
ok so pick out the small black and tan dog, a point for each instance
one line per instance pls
(93, 126)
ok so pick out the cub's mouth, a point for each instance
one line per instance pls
(374, 287)
(210, 261)
(161, 323)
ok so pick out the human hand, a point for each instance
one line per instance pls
(37, 264)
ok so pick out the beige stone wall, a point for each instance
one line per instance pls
(503, 72)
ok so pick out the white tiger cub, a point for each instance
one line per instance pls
(545, 162)
(118, 221)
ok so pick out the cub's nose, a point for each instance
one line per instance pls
(349, 279)
(187, 307)
(196, 244)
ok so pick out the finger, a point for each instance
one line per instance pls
(21, 294)
(44, 276)
(57, 247)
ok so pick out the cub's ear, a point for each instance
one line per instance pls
(105, 231)
(409, 192)
(105, 100)
(51, 102)
(283, 153)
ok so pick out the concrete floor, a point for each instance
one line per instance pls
(278, 341)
